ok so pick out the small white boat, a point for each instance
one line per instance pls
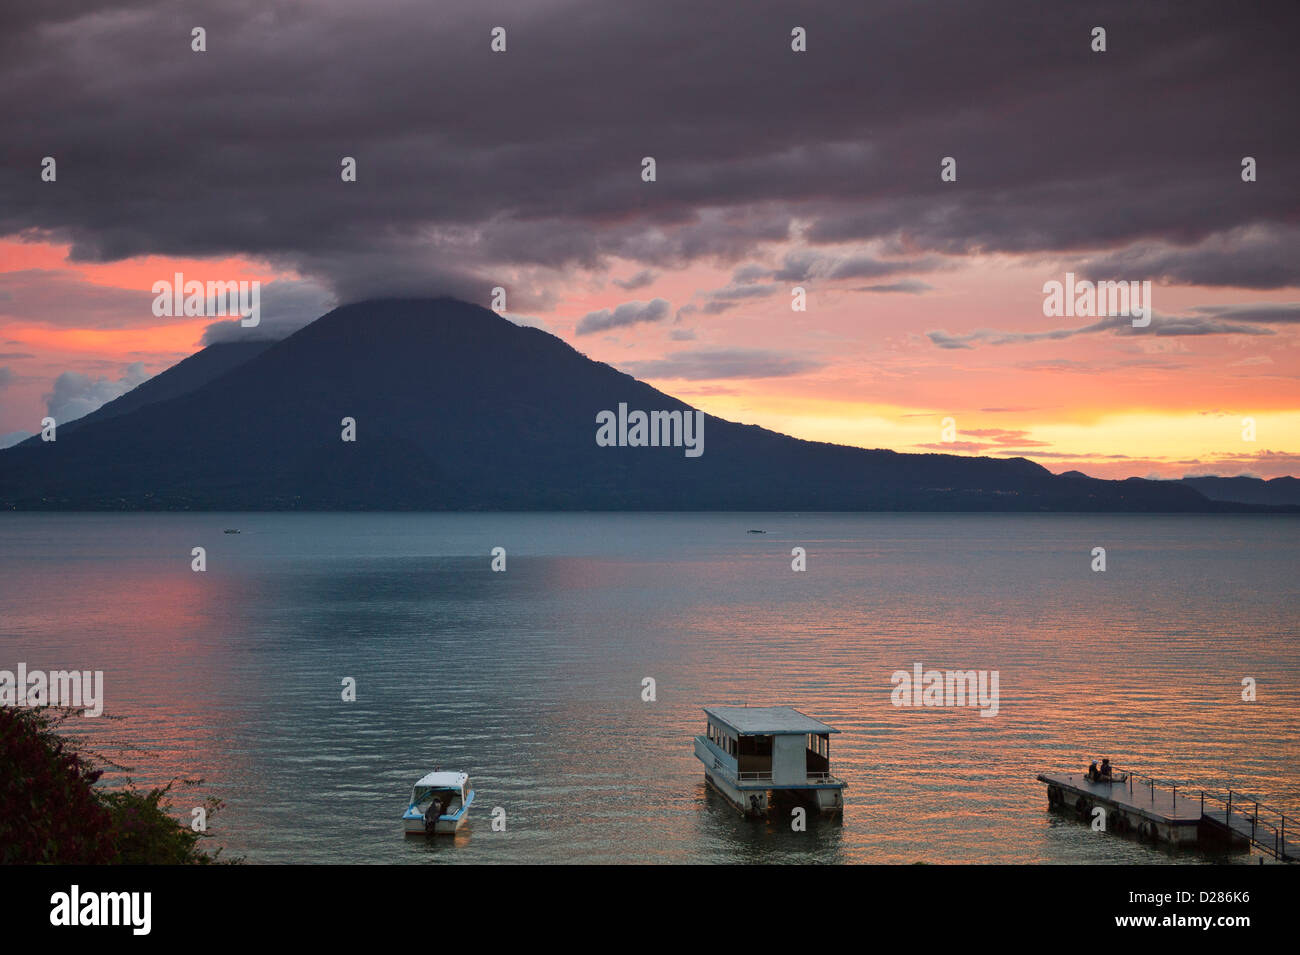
(440, 803)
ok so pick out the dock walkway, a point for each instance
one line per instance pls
(1137, 802)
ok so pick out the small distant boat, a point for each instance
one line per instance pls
(751, 531)
(232, 530)
(439, 804)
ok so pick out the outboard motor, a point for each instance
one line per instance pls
(436, 808)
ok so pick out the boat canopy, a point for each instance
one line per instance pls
(442, 780)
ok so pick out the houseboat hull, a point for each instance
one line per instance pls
(826, 799)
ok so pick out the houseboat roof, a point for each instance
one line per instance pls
(767, 720)
(438, 779)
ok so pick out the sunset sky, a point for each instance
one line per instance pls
(774, 169)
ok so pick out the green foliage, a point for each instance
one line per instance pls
(49, 809)
(52, 812)
(147, 835)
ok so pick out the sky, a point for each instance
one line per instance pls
(820, 169)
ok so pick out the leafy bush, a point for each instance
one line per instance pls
(51, 811)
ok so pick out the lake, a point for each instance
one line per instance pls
(531, 679)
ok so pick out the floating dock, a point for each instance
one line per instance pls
(1136, 803)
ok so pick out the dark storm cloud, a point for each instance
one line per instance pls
(1211, 320)
(805, 265)
(710, 363)
(629, 313)
(1259, 258)
(1267, 313)
(286, 306)
(907, 287)
(478, 169)
(742, 291)
(865, 267)
(639, 280)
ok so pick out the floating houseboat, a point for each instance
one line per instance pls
(762, 756)
(439, 804)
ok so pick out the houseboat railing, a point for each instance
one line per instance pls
(725, 767)
(760, 776)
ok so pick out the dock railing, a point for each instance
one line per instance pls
(1268, 833)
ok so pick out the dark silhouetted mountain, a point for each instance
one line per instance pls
(458, 408)
(182, 378)
(1280, 491)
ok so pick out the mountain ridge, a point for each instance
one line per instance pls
(458, 408)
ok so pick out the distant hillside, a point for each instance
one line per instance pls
(458, 408)
(1247, 490)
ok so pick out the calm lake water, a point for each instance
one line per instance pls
(530, 680)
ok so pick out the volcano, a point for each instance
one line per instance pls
(456, 408)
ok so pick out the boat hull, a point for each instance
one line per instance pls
(443, 827)
(413, 822)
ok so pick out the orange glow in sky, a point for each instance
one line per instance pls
(1112, 405)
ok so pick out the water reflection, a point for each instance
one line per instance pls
(531, 680)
